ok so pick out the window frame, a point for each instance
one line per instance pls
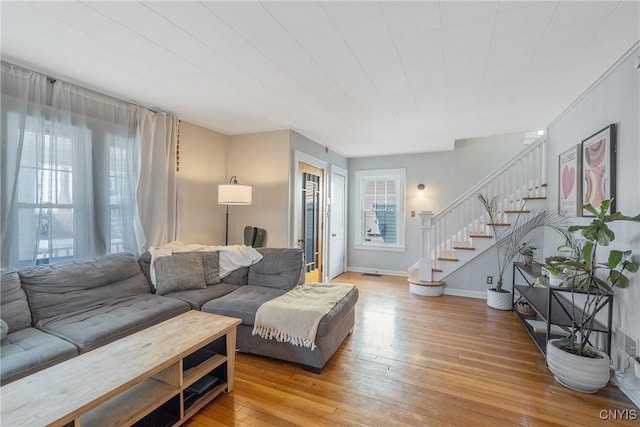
(399, 176)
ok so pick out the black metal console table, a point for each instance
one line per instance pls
(553, 307)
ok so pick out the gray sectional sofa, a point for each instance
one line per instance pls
(59, 311)
(55, 312)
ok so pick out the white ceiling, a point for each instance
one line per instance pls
(363, 78)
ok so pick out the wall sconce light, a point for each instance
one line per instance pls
(420, 189)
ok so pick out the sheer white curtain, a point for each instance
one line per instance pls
(156, 186)
(70, 163)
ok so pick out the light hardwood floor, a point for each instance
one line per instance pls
(416, 361)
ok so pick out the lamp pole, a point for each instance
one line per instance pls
(226, 229)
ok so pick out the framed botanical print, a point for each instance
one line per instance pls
(569, 182)
(599, 168)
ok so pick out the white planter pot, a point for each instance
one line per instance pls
(499, 300)
(556, 280)
(578, 372)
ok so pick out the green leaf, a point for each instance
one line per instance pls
(604, 207)
(604, 235)
(630, 266)
(602, 284)
(618, 279)
(617, 216)
(587, 252)
(575, 264)
(590, 209)
(615, 257)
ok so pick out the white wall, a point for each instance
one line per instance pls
(308, 146)
(614, 99)
(446, 175)
(202, 168)
(262, 161)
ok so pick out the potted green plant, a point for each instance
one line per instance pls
(508, 241)
(527, 250)
(572, 360)
(554, 265)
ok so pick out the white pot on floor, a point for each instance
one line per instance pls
(499, 300)
(579, 373)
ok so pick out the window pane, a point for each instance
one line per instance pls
(117, 238)
(46, 234)
(380, 204)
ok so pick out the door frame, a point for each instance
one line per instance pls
(300, 157)
(344, 173)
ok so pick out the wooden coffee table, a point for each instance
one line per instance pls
(151, 374)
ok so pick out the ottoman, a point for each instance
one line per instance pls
(244, 302)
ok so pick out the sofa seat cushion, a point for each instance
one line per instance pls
(30, 350)
(197, 297)
(242, 303)
(98, 325)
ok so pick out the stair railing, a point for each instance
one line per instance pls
(522, 177)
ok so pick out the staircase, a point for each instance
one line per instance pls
(462, 231)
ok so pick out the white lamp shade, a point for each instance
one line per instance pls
(234, 194)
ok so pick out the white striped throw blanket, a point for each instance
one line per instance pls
(294, 317)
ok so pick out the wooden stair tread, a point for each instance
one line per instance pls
(517, 212)
(448, 259)
(414, 279)
(481, 236)
(498, 224)
(436, 270)
(464, 248)
(535, 198)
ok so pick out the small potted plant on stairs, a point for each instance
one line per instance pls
(572, 360)
(509, 239)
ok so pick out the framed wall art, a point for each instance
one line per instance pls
(599, 168)
(569, 182)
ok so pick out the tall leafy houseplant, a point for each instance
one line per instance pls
(573, 362)
(594, 278)
(509, 240)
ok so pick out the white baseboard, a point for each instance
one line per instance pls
(375, 271)
(465, 293)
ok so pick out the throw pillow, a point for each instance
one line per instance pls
(210, 265)
(179, 273)
(4, 329)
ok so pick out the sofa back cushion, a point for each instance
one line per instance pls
(56, 289)
(14, 309)
(280, 268)
(239, 277)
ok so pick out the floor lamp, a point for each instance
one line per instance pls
(233, 194)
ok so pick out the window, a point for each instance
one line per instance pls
(380, 224)
(74, 197)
